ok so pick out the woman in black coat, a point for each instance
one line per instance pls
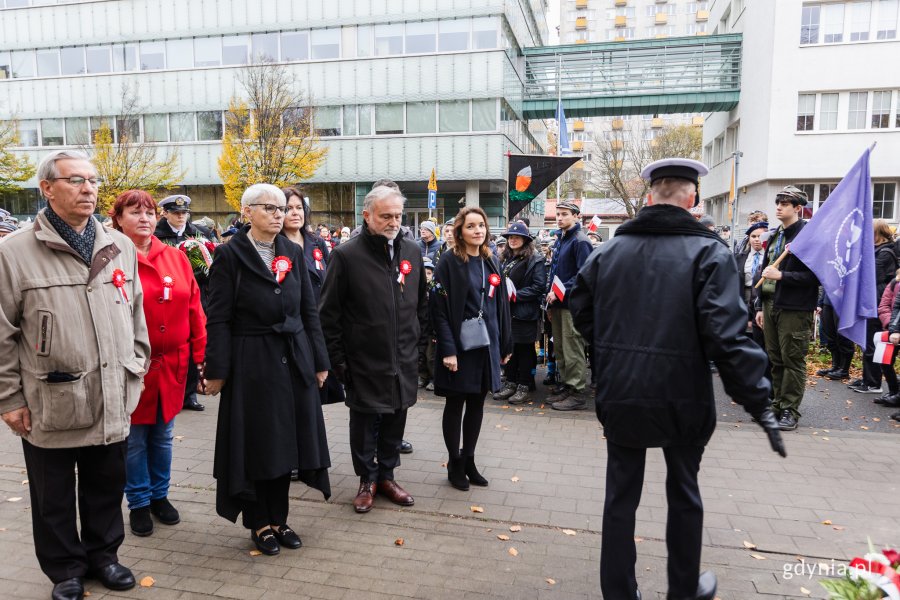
(467, 283)
(523, 268)
(267, 355)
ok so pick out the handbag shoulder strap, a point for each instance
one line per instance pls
(483, 284)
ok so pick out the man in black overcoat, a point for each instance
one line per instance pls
(663, 299)
(373, 308)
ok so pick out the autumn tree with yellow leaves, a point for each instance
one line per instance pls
(268, 133)
(126, 162)
(13, 169)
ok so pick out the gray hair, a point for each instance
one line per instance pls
(379, 193)
(387, 183)
(256, 191)
(47, 169)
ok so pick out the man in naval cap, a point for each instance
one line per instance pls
(659, 302)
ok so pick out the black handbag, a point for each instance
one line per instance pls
(473, 333)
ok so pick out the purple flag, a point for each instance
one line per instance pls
(838, 246)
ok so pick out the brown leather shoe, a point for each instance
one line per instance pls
(365, 497)
(395, 493)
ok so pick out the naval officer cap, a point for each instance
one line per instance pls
(676, 168)
(176, 203)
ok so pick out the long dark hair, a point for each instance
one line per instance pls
(459, 245)
(294, 191)
(526, 251)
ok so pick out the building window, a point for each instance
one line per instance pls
(883, 200)
(365, 120)
(47, 62)
(99, 59)
(420, 117)
(454, 116)
(327, 121)
(856, 118)
(365, 41)
(209, 125)
(28, 134)
(235, 49)
(388, 118)
(325, 43)
(72, 60)
(156, 128)
(128, 130)
(125, 57)
(52, 132)
(860, 21)
(389, 39)
(294, 46)
(887, 20)
(207, 52)
(484, 115)
(179, 54)
(718, 149)
(833, 27)
(350, 121)
(421, 37)
(828, 112)
(453, 36)
(98, 123)
(77, 132)
(484, 33)
(295, 120)
(153, 55)
(825, 190)
(806, 110)
(181, 127)
(265, 47)
(22, 63)
(881, 110)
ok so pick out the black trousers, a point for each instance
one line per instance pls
(872, 371)
(271, 504)
(471, 423)
(100, 486)
(759, 337)
(840, 347)
(684, 524)
(519, 369)
(375, 443)
(191, 381)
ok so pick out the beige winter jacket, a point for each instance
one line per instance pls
(59, 316)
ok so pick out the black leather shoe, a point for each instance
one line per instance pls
(896, 416)
(115, 577)
(788, 422)
(287, 537)
(405, 447)
(837, 374)
(140, 521)
(193, 405)
(824, 372)
(892, 401)
(266, 542)
(706, 588)
(70, 589)
(163, 510)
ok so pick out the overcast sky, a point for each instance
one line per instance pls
(553, 21)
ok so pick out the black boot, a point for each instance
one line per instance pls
(475, 478)
(456, 473)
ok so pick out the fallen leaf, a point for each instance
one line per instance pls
(514, 478)
(863, 427)
(503, 537)
(255, 553)
(2, 528)
(757, 556)
(638, 540)
(24, 482)
(749, 545)
(825, 439)
(826, 522)
(736, 426)
(505, 406)
(876, 419)
(506, 429)
(568, 532)
(515, 528)
(498, 426)
(398, 542)
(815, 433)
(179, 437)
(489, 529)
(838, 528)
(476, 509)
(513, 552)
(550, 581)
(540, 413)
(805, 591)
(13, 499)
(86, 594)
(444, 465)
(845, 418)
(826, 431)
(147, 581)
(519, 409)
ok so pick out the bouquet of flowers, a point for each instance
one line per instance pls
(875, 576)
(199, 253)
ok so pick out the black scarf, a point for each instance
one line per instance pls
(82, 243)
(666, 219)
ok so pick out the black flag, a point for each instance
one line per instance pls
(530, 174)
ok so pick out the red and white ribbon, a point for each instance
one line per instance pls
(318, 256)
(494, 280)
(873, 569)
(281, 266)
(204, 251)
(405, 269)
(168, 284)
(118, 280)
(510, 289)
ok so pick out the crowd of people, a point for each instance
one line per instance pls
(107, 333)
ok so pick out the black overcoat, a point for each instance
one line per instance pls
(530, 279)
(265, 341)
(657, 304)
(372, 322)
(447, 303)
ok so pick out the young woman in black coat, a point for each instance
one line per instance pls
(467, 283)
(524, 267)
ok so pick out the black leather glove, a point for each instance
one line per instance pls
(766, 420)
(340, 371)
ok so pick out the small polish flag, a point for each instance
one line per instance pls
(511, 289)
(558, 288)
(882, 337)
(884, 350)
(595, 223)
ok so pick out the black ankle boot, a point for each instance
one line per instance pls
(475, 478)
(456, 473)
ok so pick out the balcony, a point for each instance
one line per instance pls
(581, 23)
(581, 3)
(581, 41)
(661, 36)
(621, 21)
(656, 123)
(618, 124)
(616, 144)
(697, 121)
(621, 2)
(578, 125)
(619, 38)
(702, 16)
(661, 18)
(577, 146)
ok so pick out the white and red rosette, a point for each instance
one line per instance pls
(878, 570)
(281, 266)
(168, 284)
(318, 256)
(118, 280)
(405, 269)
(494, 280)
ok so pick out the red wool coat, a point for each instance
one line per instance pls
(177, 330)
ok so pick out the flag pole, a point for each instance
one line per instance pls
(774, 264)
(736, 155)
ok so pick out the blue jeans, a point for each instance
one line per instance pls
(149, 463)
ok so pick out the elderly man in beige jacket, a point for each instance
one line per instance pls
(73, 351)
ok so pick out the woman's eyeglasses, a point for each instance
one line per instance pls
(271, 208)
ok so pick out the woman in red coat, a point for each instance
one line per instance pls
(177, 328)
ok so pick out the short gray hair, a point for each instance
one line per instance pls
(47, 169)
(379, 193)
(258, 190)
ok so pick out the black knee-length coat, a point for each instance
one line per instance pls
(265, 341)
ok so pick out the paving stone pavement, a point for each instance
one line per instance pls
(546, 472)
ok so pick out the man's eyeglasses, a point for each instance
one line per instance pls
(79, 181)
(271, 208)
